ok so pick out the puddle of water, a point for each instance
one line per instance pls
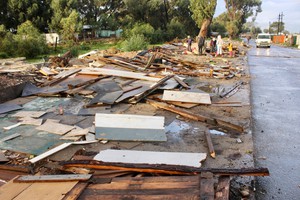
(176, 126)
(215, 132)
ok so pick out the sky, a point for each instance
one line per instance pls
(270, 12)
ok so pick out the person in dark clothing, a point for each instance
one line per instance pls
(201, 44)
(213, 43)
(189, 41)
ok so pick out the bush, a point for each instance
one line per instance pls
(3, 55)
(175, 29)
(135, 43)
(74, 50)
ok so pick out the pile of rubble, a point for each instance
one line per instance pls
(126, 107)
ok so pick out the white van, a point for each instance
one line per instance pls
(263, 40)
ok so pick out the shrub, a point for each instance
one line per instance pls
(3, 55)
(30, 43)
(175, 29)
(134, 43)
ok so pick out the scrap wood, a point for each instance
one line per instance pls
(33, 114)
(183, 84)
(226, 93)
(52, 178)
(76, 191)
(164, 169)
(151, 157)
(151, 90)
(186, 96)
(62, 76)
(57, 149)
(12, 126)
(210, 144)
(16, 168)
(223, 188)
(196, 117)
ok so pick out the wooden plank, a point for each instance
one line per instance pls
(129, 127)
(46, 191)
(33, 114)
(56, 128)
(12, 126)
(151, 90)
(210, 144)
(183, 84)
(183, 105)
(11, 190)
(207, 186)
(76, 191)
(50, 152)
(5, 108)
(223, 188)
(151, 157)
(77, 131)
(196, 117)
(186, 96)
(118, 73)
(31, 121)
(53, 178)
(10, 137)
(165, 169)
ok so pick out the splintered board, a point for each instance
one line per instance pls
(130, 127)
(186, 96)
(151, 157)
(56, 128)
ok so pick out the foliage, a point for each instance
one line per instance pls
(276, 27)
(237, 13)
(61, 9)
(70, 26)
(36, 11)
(30, 42)
(203, 12)
(175, 29)
(134, 43)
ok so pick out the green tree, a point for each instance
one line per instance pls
(203, 12)
(36, 11)
(70, 26)
(60, 9)
(30, 42)
(276, 27)
(238, 11)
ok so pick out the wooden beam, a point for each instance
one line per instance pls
(209, 143)
(183, 84)
(52, 178)
(196, 117)
(76, 191)
(152, 89)
(165, 169)
(222, 192)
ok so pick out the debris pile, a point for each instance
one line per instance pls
(125, 106)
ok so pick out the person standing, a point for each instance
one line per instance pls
(230, 49)
(219, 45)
(213, 45)
(189, 41)
(201, 44)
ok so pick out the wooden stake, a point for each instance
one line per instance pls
(210, 144)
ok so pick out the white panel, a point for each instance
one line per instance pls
(151, 157)
(129, 121)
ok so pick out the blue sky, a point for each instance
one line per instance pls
(270, 12)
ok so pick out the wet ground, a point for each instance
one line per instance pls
(275, 87)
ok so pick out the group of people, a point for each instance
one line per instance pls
(216, 45)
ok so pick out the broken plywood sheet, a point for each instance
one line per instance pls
(151, 157)
(5, 108)
(31, 121)
(33, 114)
(129, 127)
(56, 128)
(187, 96)
(170, 84)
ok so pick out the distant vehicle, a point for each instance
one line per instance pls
(263, 40)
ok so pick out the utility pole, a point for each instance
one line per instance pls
(281, 23)
(279, 16)
(269, 27)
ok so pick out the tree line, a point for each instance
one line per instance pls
(156, 20)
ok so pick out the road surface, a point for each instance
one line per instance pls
(275, 86)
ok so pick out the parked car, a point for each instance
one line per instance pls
(263, 40)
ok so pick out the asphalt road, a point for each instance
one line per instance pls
(275, 93)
